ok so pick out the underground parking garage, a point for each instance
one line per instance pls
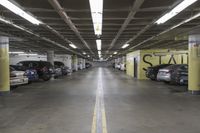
(99, 66)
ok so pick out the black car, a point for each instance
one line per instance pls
(180, 75)
(44, 69)
(60, 65)
(152, 72)
(88, 65)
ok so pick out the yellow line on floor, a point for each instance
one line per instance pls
(94, 121)
(99, 117)
(104, 125)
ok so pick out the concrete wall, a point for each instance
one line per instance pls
(147, 58)
(66, 59)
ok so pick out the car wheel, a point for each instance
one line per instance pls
(46, 77)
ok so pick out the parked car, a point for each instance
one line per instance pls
(17, 78)
(30, 73)
(88, 65)
(65, 70)
(44, 69)
(122, 67)
(180, 76)
(117, 66)
(152, 72)
(174, 74)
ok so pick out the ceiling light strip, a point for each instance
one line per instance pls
(96, 8)
(98, 42)
(173, 27)
(10, 6)
(125, 46)
(176, 10)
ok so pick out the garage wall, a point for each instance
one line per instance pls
(129, 62)
(66, 59)
(147, 58)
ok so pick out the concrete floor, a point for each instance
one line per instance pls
(67, 105)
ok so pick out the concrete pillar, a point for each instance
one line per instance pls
(50, 58)
(194, 63)
(4, 65)
(83, 63)
(74, 63)
(80, 63)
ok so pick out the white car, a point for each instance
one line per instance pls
(17, 77)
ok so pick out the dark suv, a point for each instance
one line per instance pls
(60, 65)
(153, 71)
(44, 69)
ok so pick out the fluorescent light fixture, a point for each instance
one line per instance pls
(88, 56)
(180, 7)
(96, 7)
(26, 54)
(125, 46)
(7, 4)
(99, 52)
(16, 52)
(84, 53)
(98, 42)
(72, 45)
(115, 52)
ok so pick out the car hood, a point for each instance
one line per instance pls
(18, 73)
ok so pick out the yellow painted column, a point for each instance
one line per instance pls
(4, 65)
(194, 64)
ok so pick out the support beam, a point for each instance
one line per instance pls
(137, 4)
(68, 21)
(4, 65)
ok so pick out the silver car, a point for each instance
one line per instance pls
(165, 74)
(17, 78)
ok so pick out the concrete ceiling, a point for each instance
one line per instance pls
(124, 21)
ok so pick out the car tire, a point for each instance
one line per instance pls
(46, 77)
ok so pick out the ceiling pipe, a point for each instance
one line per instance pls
(147, 27)
(137, 4)
(56, 33)
(67, 20)
(8, 22)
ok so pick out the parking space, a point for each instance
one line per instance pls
(131, 105)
